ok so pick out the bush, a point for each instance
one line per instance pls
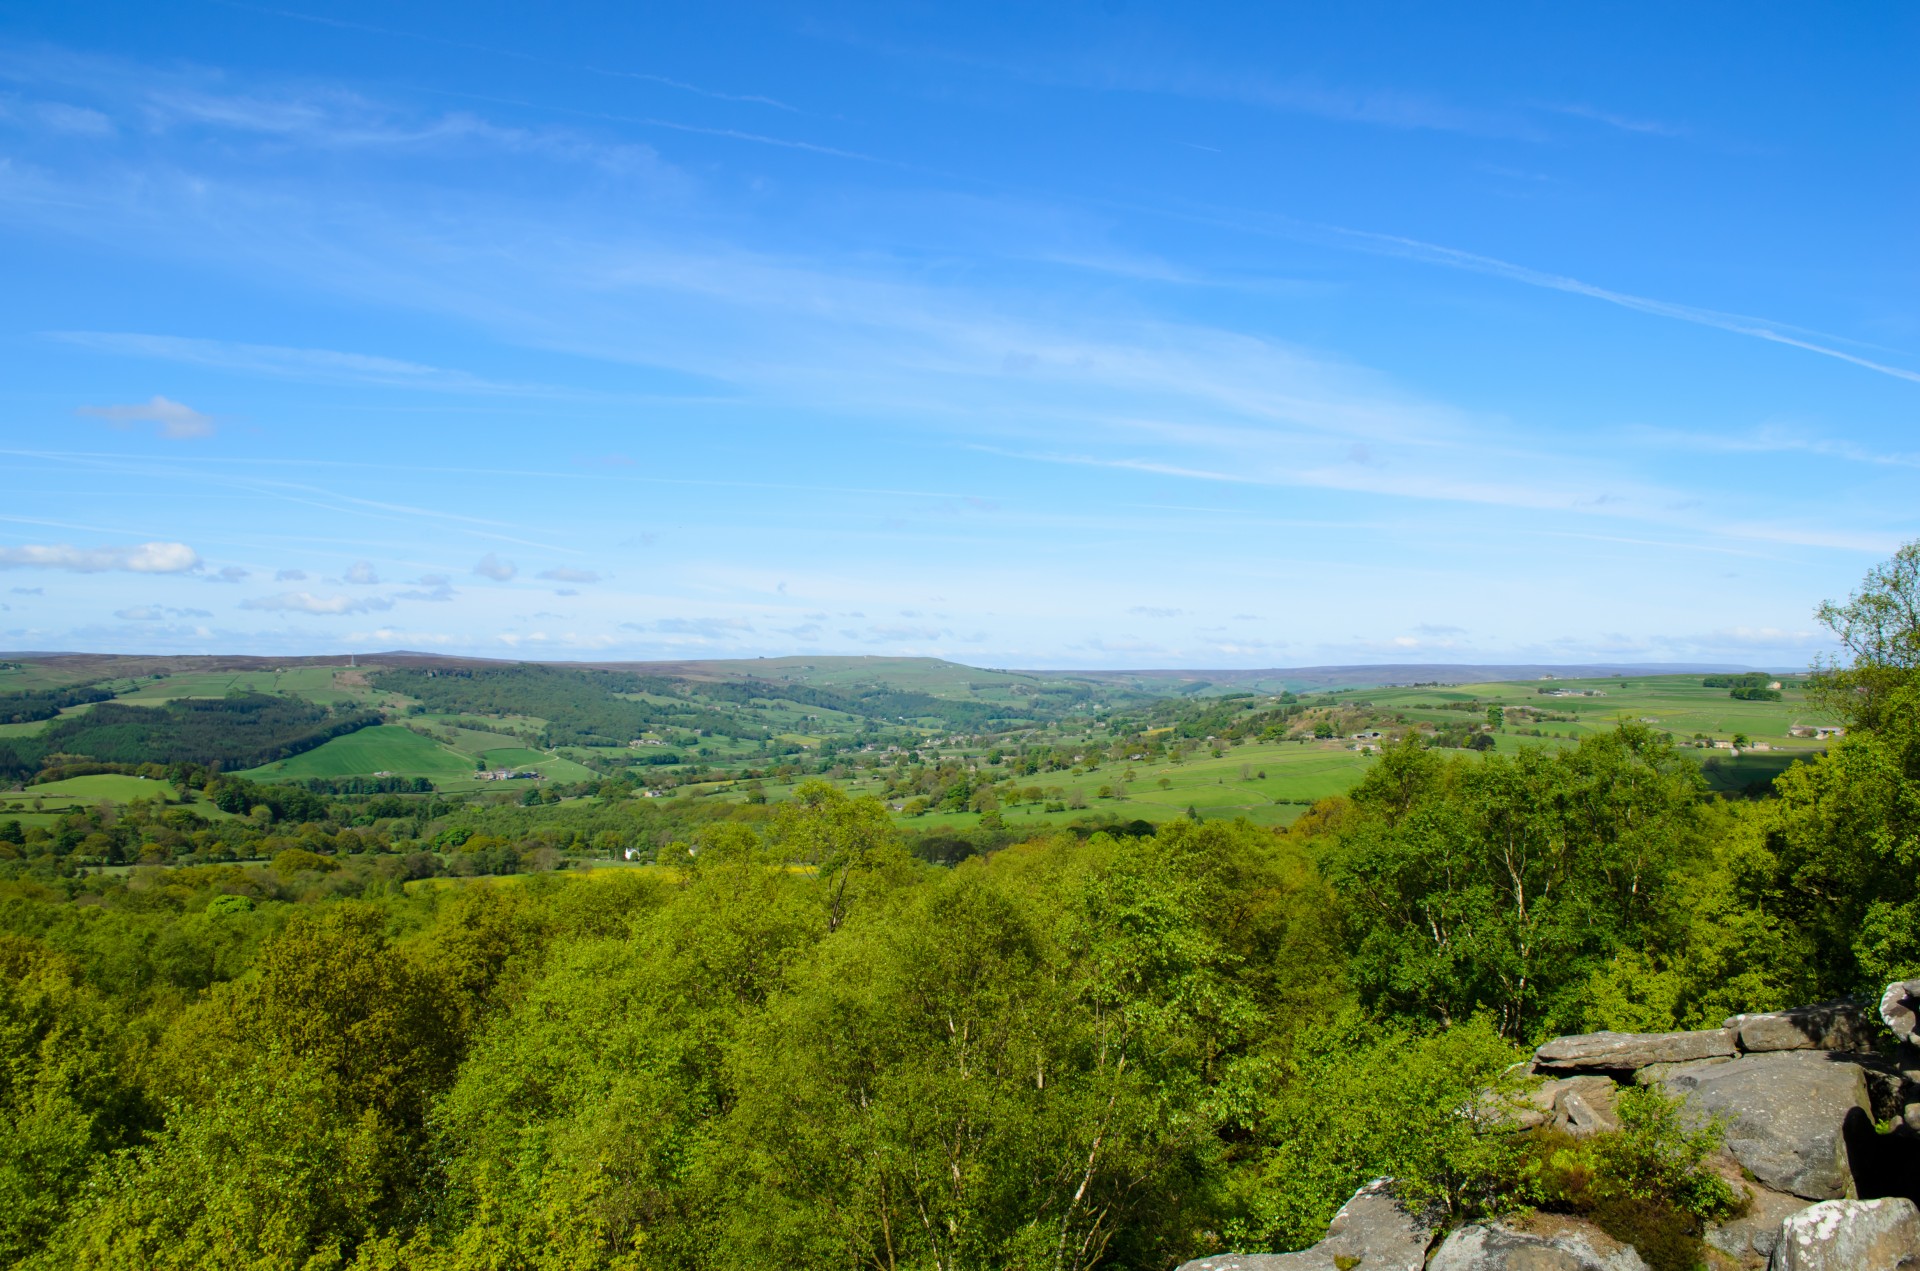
(1642, 1184)
(297, 860)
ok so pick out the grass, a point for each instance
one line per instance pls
(27, 677)
(1673, 703)
(1295, 775)
(383, 748)
(315, 683)
(56, 797)
(552, 767)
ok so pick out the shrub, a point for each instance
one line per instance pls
(297, 860)
(1642, 1184)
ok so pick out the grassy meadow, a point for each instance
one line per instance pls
(385, 748)
(42, 804)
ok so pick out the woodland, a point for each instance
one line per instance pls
(790, 1039)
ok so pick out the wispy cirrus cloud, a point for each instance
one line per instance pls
(1738, 324)
(62, 118)
(1613, 119)
(1778, 440)
(521, 55)
(565, 575)
(709, 628)
(280, 361)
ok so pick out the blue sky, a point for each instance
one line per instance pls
(1106, 334)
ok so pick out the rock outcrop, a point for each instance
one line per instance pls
(1372, 1230)
(1842, 1026)
(1750, 1239)
(1579, 1105)
(1544, 1242)
(1785, 1114)
(1850, 1235)
(1797, 1093)
(1625, 1052)
(1900, 1008)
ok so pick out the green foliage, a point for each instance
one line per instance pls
(1845, 839)
(1879, 627)
(580, 707)
(1353, 1101)
(38, 704)
(67, 1090)
(1751, 680)
(238, 731)
(1499, 885)
(798, 1043)
(1644, 1184)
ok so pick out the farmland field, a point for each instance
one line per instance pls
(34, 727)
(383, 748)
(315, 683)
(56, 797)
(1672, 703)
(552, 767)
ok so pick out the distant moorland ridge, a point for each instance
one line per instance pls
(797, 666)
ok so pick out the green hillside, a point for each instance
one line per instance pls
(384, 748)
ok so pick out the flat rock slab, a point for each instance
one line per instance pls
(1785, 1115)
(1544, 1242)
(1624, 1052)
(1850, 1235)
(1370, 1231)
(1847, 1026)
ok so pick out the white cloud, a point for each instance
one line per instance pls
(60, 117)
(290, 576)
(1155, 611)
(158, 613)
(564, 575)
(362, 573)
(174, 419)
(429, 587)
(882, 634)
(143, 558)
(306, 602)
(231, 574)
(491, 566)
(708, 627)
(326, 366)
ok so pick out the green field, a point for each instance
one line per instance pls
(1672, 703)
(121, 789)
(552, 767)
(315, 683)
(383, 748)
(28, 677)
(56, 797)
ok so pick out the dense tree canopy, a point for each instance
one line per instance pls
(792, 1043)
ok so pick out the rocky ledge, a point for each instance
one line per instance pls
(1802, 1095)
